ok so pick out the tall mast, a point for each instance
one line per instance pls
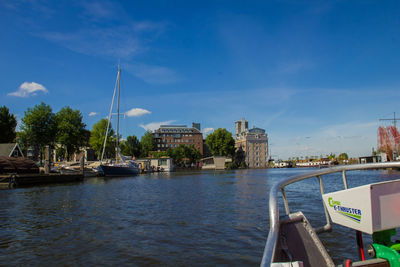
(119, 85)
(109, 118)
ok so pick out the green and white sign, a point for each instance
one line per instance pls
(369, 208)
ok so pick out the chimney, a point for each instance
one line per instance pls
(196, 126)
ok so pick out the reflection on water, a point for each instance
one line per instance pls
(181, 218)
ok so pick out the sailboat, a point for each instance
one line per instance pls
(120, 166)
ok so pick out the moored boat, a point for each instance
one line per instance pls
(119, 167)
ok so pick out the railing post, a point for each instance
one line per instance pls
(328, 223)
(285, 201)
(344, 179)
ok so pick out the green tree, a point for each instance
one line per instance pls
(147, 144)
(240, 158)
(85, 137)
(160, 154)
(185, 153)
(178, 154)
(70, 130)
(221, 143)
(343, 156)
(131, 146)
(331, 156)
(8, 123)
(97, 136)
(23, 142)
(193, 154)
(40, 126)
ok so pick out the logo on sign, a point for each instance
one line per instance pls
(350, 213)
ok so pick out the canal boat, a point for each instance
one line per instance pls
(119, 166)
(372, 209)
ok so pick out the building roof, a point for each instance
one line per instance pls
(176, 129)
(257, 130)
(173, 126)
(7, 149)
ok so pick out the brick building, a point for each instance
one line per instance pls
(171, 136)
(254, 143)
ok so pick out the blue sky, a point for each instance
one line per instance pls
(317, 75)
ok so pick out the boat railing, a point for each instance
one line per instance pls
(272, 239)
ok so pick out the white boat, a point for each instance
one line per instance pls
(120, 166)
(162, 164)
(372, 209)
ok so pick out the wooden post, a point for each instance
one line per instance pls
(47, 160)
(82, 164)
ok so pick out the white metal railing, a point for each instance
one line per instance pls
(272, 239)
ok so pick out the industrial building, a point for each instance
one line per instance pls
(254, 143)
(171, 136)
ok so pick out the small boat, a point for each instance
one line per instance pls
(367, 209)
(119, 167)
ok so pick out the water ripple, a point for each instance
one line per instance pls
(177, 219)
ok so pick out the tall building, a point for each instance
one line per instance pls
(253, 142)
(241, 127)
(171, 136)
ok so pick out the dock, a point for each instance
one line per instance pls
(21, 172)
(9, 181)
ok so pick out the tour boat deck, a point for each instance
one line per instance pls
(292, 241)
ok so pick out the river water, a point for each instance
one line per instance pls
(162, 219)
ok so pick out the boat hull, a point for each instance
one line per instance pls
(109, 170)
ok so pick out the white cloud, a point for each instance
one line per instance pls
(123, 40)
(97, 41)
(155, 125)
(146, 26)
(350, 129)
(153, 74)
(28, 89)
(91, 114)
(208, 130)
(137, 112)
(355, 138)
(293, 67)
(100, 10)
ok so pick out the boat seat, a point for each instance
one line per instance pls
(297, 241)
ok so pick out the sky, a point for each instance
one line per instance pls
(316, 75)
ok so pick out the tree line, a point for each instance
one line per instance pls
(40, 126)
(66, 132)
